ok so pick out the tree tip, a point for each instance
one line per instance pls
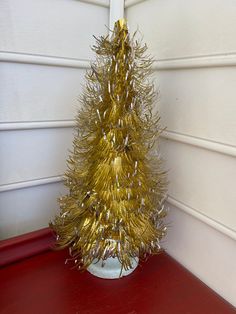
(121, 23)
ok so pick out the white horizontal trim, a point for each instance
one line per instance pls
(36, 125)
(170, 135)
(29, 183)
(130, 3)
(223, 60)
(43, 60)
(101, 3)
(168, 64)
(55, 179)
(207, 220)
(202, 143)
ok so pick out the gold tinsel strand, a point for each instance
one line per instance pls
(116, 185)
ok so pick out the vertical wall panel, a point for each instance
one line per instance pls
(206, 252)
(202, 180)
(51, 27)
(30, 92)
(28, 209)
(60, 32)
(179, 28)
(197, 103)
(33, 154)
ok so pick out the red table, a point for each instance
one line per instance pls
(44, 284)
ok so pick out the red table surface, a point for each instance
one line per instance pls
(44, 284)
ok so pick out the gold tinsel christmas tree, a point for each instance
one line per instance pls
(114, 207)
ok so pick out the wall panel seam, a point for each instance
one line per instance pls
(186, 208)
(97, 2)
(204, 218)
(130, 3)
(44, 60)
(221, 60)
(224, 60)
(222, 148)
(30, 125)
(30, 183)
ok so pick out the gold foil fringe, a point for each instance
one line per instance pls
(116, 185)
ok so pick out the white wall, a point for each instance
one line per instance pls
(195, 48)
(44, 50)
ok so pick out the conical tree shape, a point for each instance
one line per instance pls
(116, 187)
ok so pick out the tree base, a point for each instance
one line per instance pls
(111, 268)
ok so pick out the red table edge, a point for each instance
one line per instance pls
(15, 249)
(26, 245)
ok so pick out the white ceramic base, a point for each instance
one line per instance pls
(111, 268)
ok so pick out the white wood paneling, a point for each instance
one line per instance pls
(202, 179)
(206, 252)
(33, 92)
(179, 28)
(51, 27)
(45, 48)
(32, 154)
(25, 210)
(194, 45)
(199, 102)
